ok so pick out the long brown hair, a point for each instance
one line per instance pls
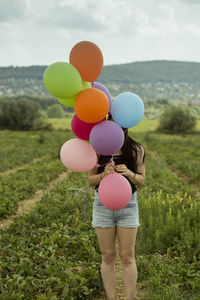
(131, 150)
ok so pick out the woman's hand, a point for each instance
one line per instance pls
(123, 170)
(109, 168)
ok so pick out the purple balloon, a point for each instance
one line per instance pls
(102, 88)
(107, 137)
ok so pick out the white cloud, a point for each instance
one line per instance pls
(191, 29)
(11, 10)
(44, 31)
(70, 17)
(189, 2)
(16, 54)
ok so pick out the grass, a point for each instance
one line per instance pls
(64, 123)
(40, 252)
(144, 126)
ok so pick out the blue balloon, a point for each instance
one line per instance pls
(127, 109)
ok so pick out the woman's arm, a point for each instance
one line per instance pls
(95, 178)
(136, 178)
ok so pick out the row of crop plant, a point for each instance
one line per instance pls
(53, 251)
(24, 183)
(18, 148)
(168, 247)
(181, 152)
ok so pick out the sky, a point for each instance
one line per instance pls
(41, 32)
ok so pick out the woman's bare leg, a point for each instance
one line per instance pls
(106, 238)
(127, 238)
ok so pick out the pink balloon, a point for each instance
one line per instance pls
(80, 128)
(115, 191)
(78, 155)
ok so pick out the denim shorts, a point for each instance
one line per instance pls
(125, 217)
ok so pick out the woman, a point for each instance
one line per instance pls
(129, 161)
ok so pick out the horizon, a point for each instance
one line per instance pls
(108, 65)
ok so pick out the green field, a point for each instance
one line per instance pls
(40, 255)
(144, 126)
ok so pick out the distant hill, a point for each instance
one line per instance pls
(153, 71)
(152, 80)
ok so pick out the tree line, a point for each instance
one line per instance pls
(136, 72)
(22, 113)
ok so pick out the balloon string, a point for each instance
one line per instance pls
(111, 160)
(81, 190)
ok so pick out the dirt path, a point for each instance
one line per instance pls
(25, 206)
(185, 179)
(119, 284)
(179, 174)
(11, 171)
(141, 288)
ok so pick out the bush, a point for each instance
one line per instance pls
(55, 111)
(177, 120)
(21, 115)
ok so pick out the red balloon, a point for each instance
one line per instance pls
(80, 128)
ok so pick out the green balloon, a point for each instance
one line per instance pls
(62, 80)
(68, 102)
(85, 85)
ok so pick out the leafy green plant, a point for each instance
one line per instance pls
(19, 115)
(55, 111)
(53, 252)
(177, 119)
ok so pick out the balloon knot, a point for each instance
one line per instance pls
(93, 84)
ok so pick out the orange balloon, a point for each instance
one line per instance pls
(87, 58)
(91, 105)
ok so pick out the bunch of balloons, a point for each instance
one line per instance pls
(74, 85)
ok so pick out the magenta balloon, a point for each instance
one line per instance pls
(102, 88)
(107, 137)
(80, 128)
(78, 155)
(115, 191)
